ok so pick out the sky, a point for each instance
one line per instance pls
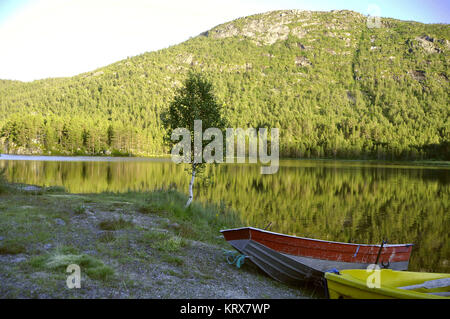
(58, 38)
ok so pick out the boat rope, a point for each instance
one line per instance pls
(333, 271)
(234, 257)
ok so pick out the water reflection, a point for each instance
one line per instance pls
(335, 200)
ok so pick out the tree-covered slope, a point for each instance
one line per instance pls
(333, 86)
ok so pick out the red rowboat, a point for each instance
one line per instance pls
(292, 259)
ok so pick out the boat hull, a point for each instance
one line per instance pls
(356, 284)
(292, 259)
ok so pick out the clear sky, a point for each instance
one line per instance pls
(53, 38)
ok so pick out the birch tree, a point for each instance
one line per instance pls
(193, 109)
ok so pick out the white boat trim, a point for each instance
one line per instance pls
(319, 240)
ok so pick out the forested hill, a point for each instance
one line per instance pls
(333, 86)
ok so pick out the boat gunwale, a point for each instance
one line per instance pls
(313, 239)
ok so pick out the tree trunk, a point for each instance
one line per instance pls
(191, 185)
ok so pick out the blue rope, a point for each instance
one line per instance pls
(233, 257)
(240, 260)
(333, 270)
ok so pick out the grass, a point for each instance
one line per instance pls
(4, 187)
(11, 247)
(171, 244)
(60, 258)
(150, 208)
(29, 221)
(153, 235)
(55, 189)
(115, 224)
(200, 222)
(163, 241)
(175, 260)
(79, 209)
(107, 237)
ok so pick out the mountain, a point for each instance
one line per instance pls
(333, 85)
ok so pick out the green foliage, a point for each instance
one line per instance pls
(334, 87)
(195, 100)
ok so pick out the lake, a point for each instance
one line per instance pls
(349, 201)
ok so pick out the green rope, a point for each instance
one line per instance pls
(233, 257)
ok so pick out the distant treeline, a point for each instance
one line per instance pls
(34, 135)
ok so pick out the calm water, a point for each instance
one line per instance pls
(346, 201)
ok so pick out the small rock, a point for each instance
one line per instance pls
(31, 188)
(18, 259)
(302, 61)
(60, 222)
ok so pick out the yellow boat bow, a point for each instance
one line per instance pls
(387, 284)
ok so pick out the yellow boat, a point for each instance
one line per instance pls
(387, 284)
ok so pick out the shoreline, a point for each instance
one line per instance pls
(166, 158)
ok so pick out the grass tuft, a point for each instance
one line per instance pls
(107, 237)
(11, 248)
(80, 209)
(55, 189)
(171, 244)
(163, 241)
(151, 208)
(115, 224)
(175, 260)
(59, 259)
